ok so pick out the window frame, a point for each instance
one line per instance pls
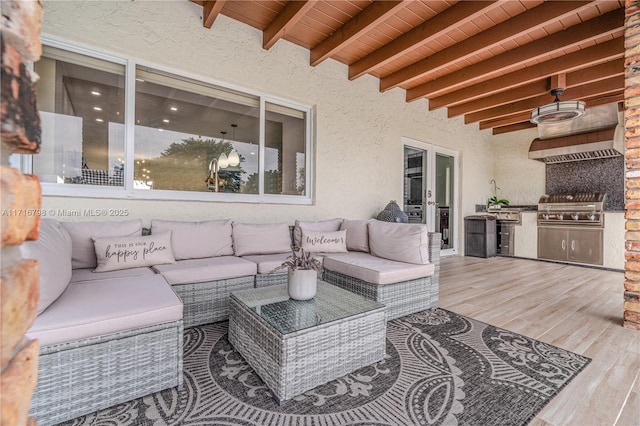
(128, 192)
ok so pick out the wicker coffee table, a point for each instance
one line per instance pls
(295, 346)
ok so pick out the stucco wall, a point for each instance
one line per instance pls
(357, 129)
(522, 181)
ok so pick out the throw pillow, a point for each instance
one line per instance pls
(357, 234)
(402, 242)
(324, 242)
(52, 250)
(195, 240)
(258, 238)
(321, 225)
(115, 253)
(83, 254)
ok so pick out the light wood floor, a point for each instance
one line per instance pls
(572, 307)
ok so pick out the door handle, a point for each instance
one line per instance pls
(573, 244)
(564, 244)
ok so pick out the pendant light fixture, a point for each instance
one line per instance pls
(557, 111)
(234, 158)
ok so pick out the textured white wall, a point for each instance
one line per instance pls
(358, 130)
(521, 180)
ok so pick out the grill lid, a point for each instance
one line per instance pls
(578, 198)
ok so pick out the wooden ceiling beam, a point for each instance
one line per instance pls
(286, 19)
(525, 116)
(513, 127)
(610, 23)
(597, 89)
(576, 78)
(518, 25)
(369, 18)
(599, 53)
(210, 11)
(458, 14)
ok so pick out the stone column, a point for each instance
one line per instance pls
(20, 204)
(632, 178)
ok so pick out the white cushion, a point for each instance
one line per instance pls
(194, 240)
(210, 269)
(324, 242)
(82, 248)
(376, 270)
(116, 253)
(102, 307)
(52, 250)
(319, 225)
(357, 234)
(261, 238)
(403, 242)
(268, 262)
(87, 274)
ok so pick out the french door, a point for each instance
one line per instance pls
(430, 189)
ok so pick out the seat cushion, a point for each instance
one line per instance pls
(260, 238)
(87, 274)
(83, 252)
(402, 242)
(196, 240)
(102, 307)
(357, 234)
(52, 250)
(376, 270)
(211, 269)
(268, 262)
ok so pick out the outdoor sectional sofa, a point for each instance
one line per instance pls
(114, 301)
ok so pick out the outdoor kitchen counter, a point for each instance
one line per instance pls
(526, 238)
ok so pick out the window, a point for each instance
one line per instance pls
(81, 102)
(181, 138)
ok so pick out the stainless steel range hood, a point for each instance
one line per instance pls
(597, 134)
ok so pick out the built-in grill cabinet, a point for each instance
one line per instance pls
(571, 228)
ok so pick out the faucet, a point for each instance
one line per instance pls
(495, 187)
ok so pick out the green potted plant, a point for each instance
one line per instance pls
(303, 274)
(495, 203)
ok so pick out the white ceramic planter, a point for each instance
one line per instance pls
(302, 284)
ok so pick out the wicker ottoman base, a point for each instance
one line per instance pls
(293, 363)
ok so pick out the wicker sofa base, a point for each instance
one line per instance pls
(265, 280)
(81, 377)
(403, 298)
(207, 302)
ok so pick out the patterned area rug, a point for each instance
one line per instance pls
(441, 369)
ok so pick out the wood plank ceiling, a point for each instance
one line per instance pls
(490, 61)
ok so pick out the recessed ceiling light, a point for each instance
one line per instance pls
(95, 93)
(97, 108)
(174, 108)
(164, 120)
(99, 120)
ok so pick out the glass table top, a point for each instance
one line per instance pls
(286, 315)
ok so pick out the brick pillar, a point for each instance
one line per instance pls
(20, 202)
(632, 178)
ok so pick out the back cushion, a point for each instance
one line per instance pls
(83, 253)
(52, 249)
(316, 226)
(254, 238)
(195, 240)
(357, 234)
(402, 242)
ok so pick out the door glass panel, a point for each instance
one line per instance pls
(414, 189)
(444, 198)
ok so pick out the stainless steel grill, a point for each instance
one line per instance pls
(582, 209)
